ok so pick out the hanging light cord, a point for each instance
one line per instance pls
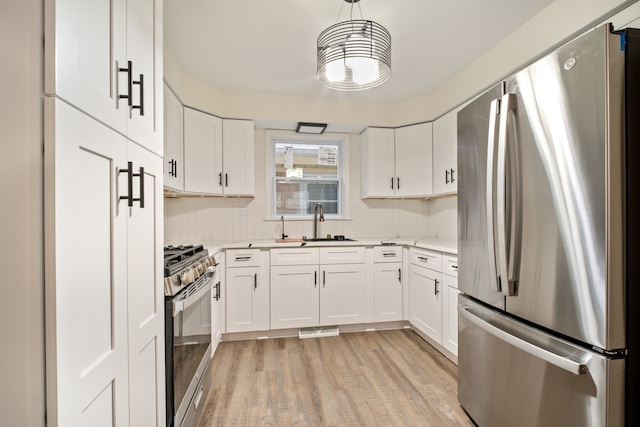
(350, 12)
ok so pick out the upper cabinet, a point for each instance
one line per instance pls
(202, 152)
(219, 155)
(105, 57)
(237, 176)
(445, 158)
(173, 142)
(397, 163)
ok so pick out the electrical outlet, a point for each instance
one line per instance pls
(243, 213)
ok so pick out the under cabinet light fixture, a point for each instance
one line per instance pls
(316, 128)
(354, 54)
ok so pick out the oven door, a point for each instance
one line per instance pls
(188, 322)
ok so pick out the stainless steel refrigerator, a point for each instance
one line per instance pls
(548, 201)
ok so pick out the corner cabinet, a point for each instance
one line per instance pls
(106, 59)
(397, 163)
(219, 155)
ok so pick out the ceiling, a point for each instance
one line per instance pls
(270, 45)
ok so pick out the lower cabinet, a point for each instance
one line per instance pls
(387, 283)
(450, 303)
(425, 301)
(247, 285)
(307, 293)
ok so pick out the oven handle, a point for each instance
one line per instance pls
(180, 305)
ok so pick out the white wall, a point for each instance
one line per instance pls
(21, 215)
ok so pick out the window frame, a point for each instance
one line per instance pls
(277, 136)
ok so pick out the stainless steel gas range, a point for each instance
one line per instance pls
(190, 285)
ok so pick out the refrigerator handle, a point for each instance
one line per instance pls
(490, 201)
(571, 366)
(508, 212)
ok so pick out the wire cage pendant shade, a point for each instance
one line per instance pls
(354, 55)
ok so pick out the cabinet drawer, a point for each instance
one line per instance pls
(387, 253)
(450, 265)
(243, 258)
(425, 258)
(342, 255)
(295, 256)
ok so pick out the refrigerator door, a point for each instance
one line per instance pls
(512, 375)
(559, 190)
(476, 241)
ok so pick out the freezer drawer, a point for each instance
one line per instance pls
(510, 374)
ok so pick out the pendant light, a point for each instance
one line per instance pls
(354, 54)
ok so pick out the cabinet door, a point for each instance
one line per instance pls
(295, 296)
(425, 301)
(377, 167)
(244, 299)
(145, 290)
(387, 288)
(173, 142)
(217, 304)
(238, 156)
(144, 50)
(86, 271)
(202, 153)
(445, 146)
(414, 161)
(86, 45)
(342, 296)
(450, 313)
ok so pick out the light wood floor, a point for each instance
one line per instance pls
(383, 378)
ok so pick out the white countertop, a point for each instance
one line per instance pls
(432, 243)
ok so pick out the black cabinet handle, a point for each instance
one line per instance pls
(452, 178)
(129, 197)
(324, 279)
(315, 279)
(446, 176)
(255, 281)
(217, 295)
(392, 183)
(398, 186)
(220, 179)
(400, 275)
(175, 168)
(226, 179)
(129, 71)
(435, 287)
(141, 105)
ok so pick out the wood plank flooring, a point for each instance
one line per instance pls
(382, 378)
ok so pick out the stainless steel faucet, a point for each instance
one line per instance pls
(316, 219)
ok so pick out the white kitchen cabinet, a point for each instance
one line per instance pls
(217, 303)
(247, 290)
(202, 153)
(295, 296)
(450, 303)
(425, 293)
(173, 142)
(238, 158)
(98, 52)
(387, 283)
(317, 286)
(378, 170)
(104, 299)
(445, 154)
(219, 155)
(342, 297)
(397, 163)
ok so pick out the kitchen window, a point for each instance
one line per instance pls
(306, 170)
